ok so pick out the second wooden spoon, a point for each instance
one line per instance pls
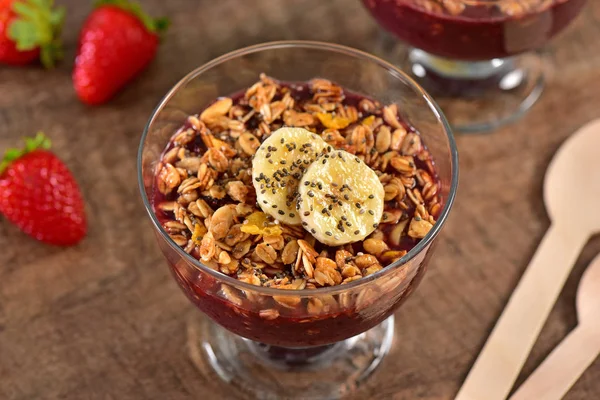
(555, 376)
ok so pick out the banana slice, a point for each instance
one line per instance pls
(278, 166)
(341, 199)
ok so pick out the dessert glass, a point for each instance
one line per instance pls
(476, 56)
(267, 341)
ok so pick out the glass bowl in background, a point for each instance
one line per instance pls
(275, 343)
(475, 56)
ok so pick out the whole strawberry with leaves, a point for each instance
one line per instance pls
(29, 31)
(40, 196)
(116, 43)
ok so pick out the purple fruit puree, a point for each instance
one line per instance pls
(479, 32)
(292, 327)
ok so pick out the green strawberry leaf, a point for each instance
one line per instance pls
(40, 141)
(158, 25)
(38, 25)
(25, 10)
(26, 32)
(13, 154)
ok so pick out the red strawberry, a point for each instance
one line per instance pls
(117, 42)
(40, 196)
(29, 31)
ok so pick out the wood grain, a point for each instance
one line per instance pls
(104, 320)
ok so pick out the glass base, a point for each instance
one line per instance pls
(476, 96)
(270, 372)
(483, 95)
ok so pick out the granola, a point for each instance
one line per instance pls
(511, 8)
(208, 204)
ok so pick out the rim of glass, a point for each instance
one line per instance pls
(394, 71)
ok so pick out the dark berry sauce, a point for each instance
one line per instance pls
(293, 327)
(482, 30)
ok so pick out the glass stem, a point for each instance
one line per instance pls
(287, 358)
(457, 69)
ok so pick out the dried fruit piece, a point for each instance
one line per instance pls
(258, 223)
(368, 121)
(199, 232)
(331, 121)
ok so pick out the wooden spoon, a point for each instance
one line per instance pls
(571, 195)
(555, 376)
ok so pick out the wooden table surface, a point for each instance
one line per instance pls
(104, 320)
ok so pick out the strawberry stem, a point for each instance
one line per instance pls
(40, 141)
(158, 25)
(38, 25)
